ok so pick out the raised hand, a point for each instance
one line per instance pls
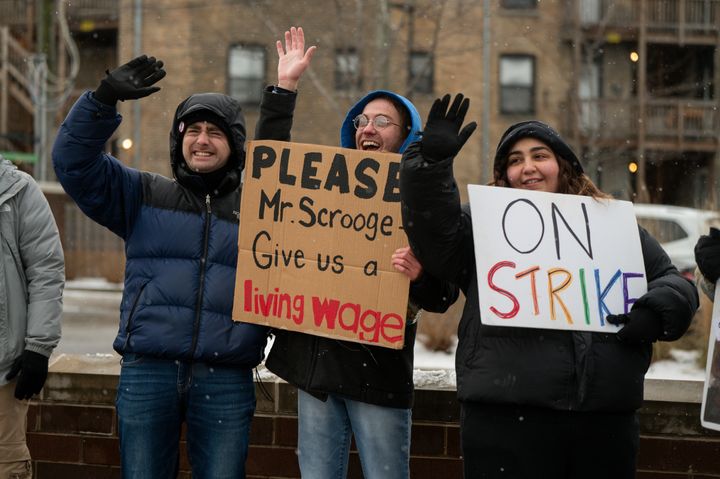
(293, 59)
(442, 137)
(131, 81)
(404, 261)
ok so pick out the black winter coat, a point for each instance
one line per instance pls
(322, 366)
(554, 369)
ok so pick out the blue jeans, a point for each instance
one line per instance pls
(382, 436)
(155, 396)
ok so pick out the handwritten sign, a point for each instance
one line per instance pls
(554, 261)
(318, 227)
(710, 409)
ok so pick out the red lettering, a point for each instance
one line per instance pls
(370, 328)
(327, 310)
(247, 284)
(369, 325)
(392, 321)
(516, 306)
(265, 304)
(355, 308)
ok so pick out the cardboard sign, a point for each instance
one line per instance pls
(710, 410)
(554, 261)
(318, 227)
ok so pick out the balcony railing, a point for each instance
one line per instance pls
(689, 16)
(666, 120)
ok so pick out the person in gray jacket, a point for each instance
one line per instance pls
(32, 278)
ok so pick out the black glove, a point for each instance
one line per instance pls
(441, 139)
(707, 255)
(33, 369)
(641, 325)
(130, 81)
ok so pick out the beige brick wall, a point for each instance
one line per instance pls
(193, 38)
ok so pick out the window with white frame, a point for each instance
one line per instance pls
(246, 73)
(347, 69)
(421, 72)
(517, 84)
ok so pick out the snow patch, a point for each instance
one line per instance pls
(683, 365)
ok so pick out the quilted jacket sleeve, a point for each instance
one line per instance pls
(44, 267)
(438, 227)
(104, 189)
(671, 296)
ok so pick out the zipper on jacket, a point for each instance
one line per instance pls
(18, 267)
(132, 313)
(201, 286)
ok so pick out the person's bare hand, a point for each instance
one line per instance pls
(293, 60)
(404, 261)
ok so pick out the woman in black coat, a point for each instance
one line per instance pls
(535, 402)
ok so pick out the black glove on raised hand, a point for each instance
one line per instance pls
(130, 81)
(442, 137)
(641, 325)
(33, 369)
(707, 255)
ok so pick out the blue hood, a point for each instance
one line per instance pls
(347, 132)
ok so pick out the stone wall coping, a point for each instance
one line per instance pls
(674, 390)
(665, 390)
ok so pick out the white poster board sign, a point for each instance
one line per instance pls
(554, 261)
(710, 411)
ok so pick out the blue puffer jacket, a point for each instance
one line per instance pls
(180, 242)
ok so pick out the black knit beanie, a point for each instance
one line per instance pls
(539, 131)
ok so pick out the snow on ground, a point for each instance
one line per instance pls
(438, 368)
(683, 365)
(93, 284)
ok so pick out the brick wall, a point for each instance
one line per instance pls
(72, 429)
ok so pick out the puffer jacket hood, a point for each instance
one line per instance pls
(223, 106)
(347, 131)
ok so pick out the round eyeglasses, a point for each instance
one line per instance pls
(380, 122)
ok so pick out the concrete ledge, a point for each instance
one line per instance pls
(86, 364)
(665, 390)
(674, 390)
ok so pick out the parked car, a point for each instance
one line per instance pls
(677, 229)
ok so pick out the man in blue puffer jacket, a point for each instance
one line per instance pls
(183, 358)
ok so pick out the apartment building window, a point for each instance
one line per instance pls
(516, 4)
(347, 69)
(246, 68)
(517, 84)
(421, 72)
